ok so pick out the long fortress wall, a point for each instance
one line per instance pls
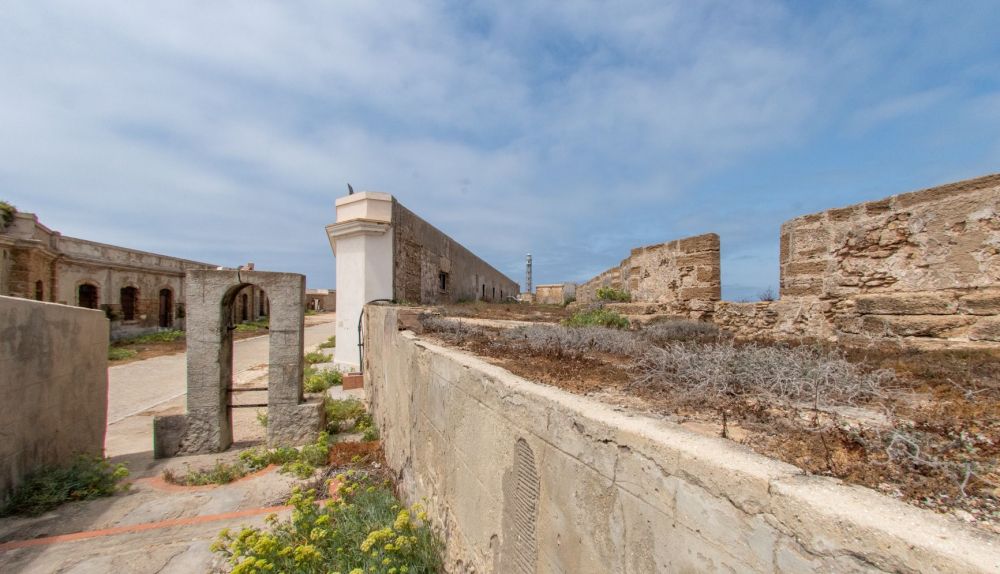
(920, 267)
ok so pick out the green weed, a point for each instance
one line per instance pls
(365, 530)
(88, 477)
(120, 354)
(600, 317)
(612, 294)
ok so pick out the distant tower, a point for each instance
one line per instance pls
(527, 276)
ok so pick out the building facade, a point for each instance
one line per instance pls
(138, 291)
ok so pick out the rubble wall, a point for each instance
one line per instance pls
(921, 267)
(681, 277)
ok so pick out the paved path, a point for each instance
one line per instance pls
(141, 385)
(152, 528)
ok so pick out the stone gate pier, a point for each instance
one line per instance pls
(207, 426)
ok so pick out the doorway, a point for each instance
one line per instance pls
(166, 306)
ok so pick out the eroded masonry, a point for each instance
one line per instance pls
(207, 425)
(920, 267)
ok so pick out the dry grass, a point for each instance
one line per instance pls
(920, 426)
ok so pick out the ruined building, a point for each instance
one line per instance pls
(920, 268)
(137, 290)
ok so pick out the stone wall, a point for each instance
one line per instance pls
(44, 264)
(555, 294)
(422, 253)
(53, 385)
(521, 477)
(681, 277)
(921, 267)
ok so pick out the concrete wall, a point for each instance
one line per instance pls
(421, 253)
(683, 276)
(524, 478)
(53, 385)
(555, 294)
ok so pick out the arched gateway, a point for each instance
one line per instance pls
(207, 426)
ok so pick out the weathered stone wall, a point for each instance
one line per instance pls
(40, 257)
(921, 267)
(421, 253)
(53, 385)
(521, 477)
(682, 277)
(555, 294)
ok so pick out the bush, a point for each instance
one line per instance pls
(7, 213)
(301, 463)
(612, 294)
(253, 326)
(168, 336)
(565, 341)
(319, 381)
(599, 317)
(365, 530)
(120, 354)
(316, 357)
(344, 415)
(329, 343)
(221, 473)
(723, 370)
(88, 477)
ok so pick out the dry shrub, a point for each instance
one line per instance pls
(772, 373)
(559, 341)
(663, 332)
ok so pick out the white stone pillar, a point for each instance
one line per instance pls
(361, 240)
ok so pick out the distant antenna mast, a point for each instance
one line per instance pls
(527, 276)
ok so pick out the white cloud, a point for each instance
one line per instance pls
(226, 129)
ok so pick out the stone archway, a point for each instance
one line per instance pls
(207, 426)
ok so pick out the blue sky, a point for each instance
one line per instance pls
(224, 131)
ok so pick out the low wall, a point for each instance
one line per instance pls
(524, 478)
(53, 385)
(682, 276)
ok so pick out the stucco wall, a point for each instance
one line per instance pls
(421, 253)
(683, 276)
(522, 477)
(53, 385)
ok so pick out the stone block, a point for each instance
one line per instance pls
(986, 329)
(986, 302)
(711, 274)
(906, 304)
(914, 325)
(814, 289)
(709, 293)
(703, 259)
(806, 267)
(706, 242)
(291, 425)
(168, 434)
